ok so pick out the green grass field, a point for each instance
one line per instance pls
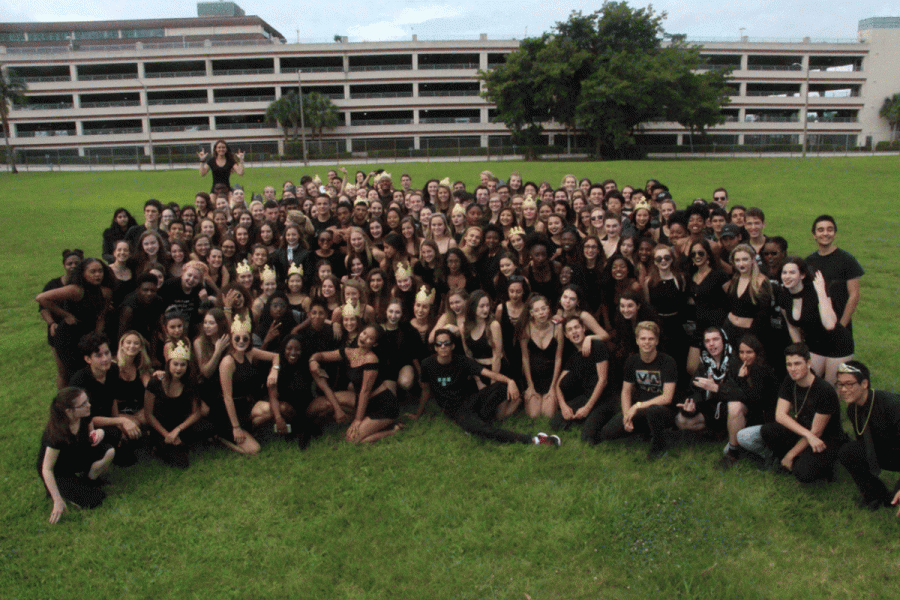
(433, 513)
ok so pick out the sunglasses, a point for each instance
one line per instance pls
(698, 254)
(242, 338)
(663, 258)
(443, 344)
(770, 253)
(718, 197)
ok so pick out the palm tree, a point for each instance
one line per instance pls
(890, 110)
(285, 112)
(12, 91)
(319, 112)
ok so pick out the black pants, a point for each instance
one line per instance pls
(653, 420)
(604, 410)
(853, 456)
(480, 410)
(808, 465)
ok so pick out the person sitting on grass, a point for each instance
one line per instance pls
(875, 419)
(100, 380)
(806, 434)
(715, 389)
(73, 454)
(582, 384)
(448, 377)
(650, 378)
(173, 409)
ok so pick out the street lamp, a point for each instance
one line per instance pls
(302, 120)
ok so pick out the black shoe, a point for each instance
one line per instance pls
(125, 457)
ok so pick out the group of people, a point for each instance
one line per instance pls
(601, 308)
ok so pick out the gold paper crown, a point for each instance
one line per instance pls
(239, 326)
(295, 270)
(402, 272)
(243, 267)
(382, 175)
(268, 274)
(362, 201)
(529, 202)
(349, 311)
(516, 231)
(458, 209)
(179, 350)
(641, 204)
(424, 296)
(445, 181)
(317, 180)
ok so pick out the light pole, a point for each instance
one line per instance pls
(302, 120)
(149, 128)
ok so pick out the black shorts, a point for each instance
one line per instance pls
(383, 405)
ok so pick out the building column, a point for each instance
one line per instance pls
(483, 60)
(415, 61)
(417, 142)
(346, 65)
(484, 140)
(208, 67)
(744, 62)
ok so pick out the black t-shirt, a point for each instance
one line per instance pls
(450, 384)
(880, 426)
(188, 303)
(838, 268)
(144, 317)
(648, 378)
(100, 395)
(583, 369)
(806, 403)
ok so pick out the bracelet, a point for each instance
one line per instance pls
(276, 368)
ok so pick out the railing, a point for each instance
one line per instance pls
(106, 76)
(431, 120)
(449, 66)
(44, 133)
(711, 66)
(793, 67)
(242, 42)
(334, 69)
(835, 120)
(181, 44)
(243, 126)
(45, 78)
(731, 118)
(168, 128)
(380, 67)
(47, 106)
(768, 119)
(36, 49)
(163, 101)
(114, 131)
(161, 74)
(110, 103)
(447, 93)
(245, 99)
(263, 71)
(363, 122)
(363, 95)
(771, 94)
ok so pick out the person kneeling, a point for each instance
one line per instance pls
(875, 416)
(807, 431)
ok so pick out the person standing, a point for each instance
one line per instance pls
(841, 270)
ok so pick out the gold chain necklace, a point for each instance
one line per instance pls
(797, 410)
(856, 415)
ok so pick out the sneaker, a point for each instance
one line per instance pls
(542, 439)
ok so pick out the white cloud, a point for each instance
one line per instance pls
(420, 14)
(382, 31)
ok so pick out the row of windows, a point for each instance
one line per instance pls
(63, 36)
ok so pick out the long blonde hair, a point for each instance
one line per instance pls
(141, 361)
(757, 284)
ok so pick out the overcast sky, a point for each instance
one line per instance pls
(464, 19)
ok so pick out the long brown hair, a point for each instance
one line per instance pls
(58, 425)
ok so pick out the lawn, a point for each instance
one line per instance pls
(433, 513)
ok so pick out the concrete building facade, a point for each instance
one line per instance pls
(176, 84)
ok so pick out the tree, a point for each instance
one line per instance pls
(604, 75)
(320, 113)
(285, 112)
(890, 111)
(12, 91)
